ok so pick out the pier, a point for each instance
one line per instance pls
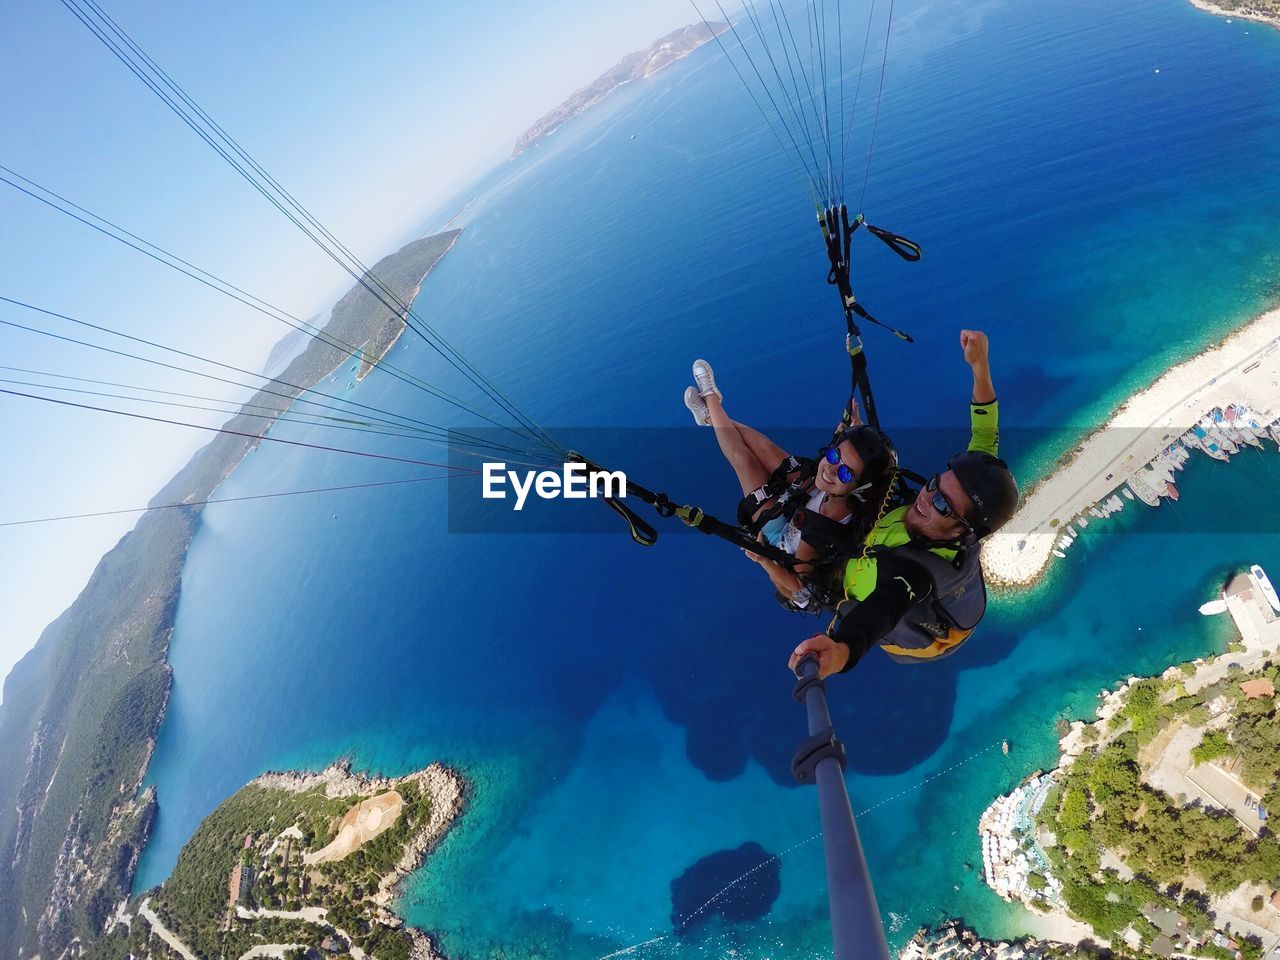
(1217, 404)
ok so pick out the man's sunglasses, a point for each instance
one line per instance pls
(942, 505)
(843, 471)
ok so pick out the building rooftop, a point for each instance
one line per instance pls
(1168, 921)
(1241, 585)
(1258, 688)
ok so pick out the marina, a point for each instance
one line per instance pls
(1221, 434)
(1222, 403)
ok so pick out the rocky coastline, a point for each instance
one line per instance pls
(1261, 11)
(447, 790)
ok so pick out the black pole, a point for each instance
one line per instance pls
(856, 930)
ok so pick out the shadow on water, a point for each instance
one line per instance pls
(710, 887)
(892, 716)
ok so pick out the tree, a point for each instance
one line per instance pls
(1075, 810)
(1211, 746)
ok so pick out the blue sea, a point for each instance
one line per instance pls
(1095, 185)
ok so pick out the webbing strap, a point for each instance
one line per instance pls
(837, 233)
(861, 381)
(641, 531)
(908, 250)
(779, 487)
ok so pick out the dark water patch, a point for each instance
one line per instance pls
(714, 743)
(700, 893)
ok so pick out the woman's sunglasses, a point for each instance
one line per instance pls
(942, 505)
(843, 471)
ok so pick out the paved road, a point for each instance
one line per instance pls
(163, 932)
(277, 950)
(314, 915)
(1227, 792)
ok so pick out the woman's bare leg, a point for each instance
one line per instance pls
(765, 450)
(746, 465)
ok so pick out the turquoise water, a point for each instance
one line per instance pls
(623, 713)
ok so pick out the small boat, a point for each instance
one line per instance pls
(1059, 554)
(1082, 521)
(1212, 607)
(1264, 584)
(1171, 489)
(1128, 493)
(1143, 489)
(1072, 531)
(1004, 747)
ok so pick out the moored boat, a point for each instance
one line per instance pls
(1264, 584)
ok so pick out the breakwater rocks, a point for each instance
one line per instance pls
(953, 940)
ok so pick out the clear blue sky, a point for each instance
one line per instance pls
(372, 114)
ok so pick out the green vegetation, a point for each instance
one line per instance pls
(1102, 805)
(1212, 746)
(1257, 8)
(248, 830)
(86, 701)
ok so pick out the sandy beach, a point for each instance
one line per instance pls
(1245, 368)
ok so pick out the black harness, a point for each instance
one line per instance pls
(786, 496)
(786, 492)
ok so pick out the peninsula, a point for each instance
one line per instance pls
(1226, 397)
(1154, 829)
(80, 711)
(295, 865)
(639, 65)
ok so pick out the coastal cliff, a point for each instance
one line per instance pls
(639, 65)
(81, 711)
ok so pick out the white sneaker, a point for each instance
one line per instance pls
(697, 406)
(705, 378)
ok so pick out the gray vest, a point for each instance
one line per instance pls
(936, 626)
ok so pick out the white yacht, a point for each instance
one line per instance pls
(1264, 584)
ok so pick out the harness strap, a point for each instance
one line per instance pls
(780, 488)
(860, 381)
(908, 250)
(641, 531)
(861, 311)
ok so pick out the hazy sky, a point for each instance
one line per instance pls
(372, 114)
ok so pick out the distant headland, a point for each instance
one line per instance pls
(81, 711)
(1264, 11)
(639, 65)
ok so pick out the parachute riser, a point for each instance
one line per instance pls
(837, 234)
